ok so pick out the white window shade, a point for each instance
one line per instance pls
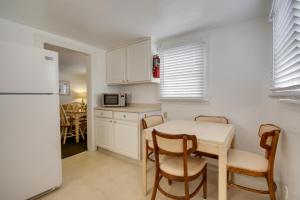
(183, 72)
(286, 45)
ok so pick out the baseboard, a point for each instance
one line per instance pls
(116, 155)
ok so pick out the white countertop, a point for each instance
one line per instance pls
(136, 108)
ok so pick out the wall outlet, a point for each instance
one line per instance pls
(285, 195)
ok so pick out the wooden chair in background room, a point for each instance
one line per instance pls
(65, 125)
(75, 107)
(251, 164)
(173, 162)
(212, 119)
(148, 122)
(83, 124)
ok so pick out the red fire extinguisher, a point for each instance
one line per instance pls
(156, 66)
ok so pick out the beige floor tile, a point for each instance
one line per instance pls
(98, 176)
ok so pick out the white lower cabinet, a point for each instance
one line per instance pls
(104, 133)
(127, 138)
(118, 133)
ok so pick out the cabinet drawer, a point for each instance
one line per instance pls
(127, 116)
(103, 113)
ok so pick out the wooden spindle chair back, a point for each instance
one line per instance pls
(213, 119)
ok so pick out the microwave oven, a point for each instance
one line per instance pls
(114, 99)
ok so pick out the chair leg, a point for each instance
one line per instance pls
(146, 157)
(65, 135)
(205, 183)
(272, 188)
(81, 133)
(169, 182)
(156, 182)
(186, 190)
(62, 132)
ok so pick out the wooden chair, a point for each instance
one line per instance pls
(74, 107)
(251, 164)
(66, 126)
(212, 119)
(177, 164)
(148, 122)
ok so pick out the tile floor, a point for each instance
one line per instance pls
(99, 176)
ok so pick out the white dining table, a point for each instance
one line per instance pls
(213, 138)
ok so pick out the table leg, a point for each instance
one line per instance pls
(231, 175)
(144, 164)
(222, 173)
(77, 128)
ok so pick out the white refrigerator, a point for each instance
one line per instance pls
(30, 151)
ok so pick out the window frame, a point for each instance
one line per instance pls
(203, 99)
(282, 93)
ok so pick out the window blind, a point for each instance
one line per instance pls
(286, 45)
(183, 72)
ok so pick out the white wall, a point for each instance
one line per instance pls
(287, 116)
(142, 93)
(237, 58)
(77, 84)
(240, 63)
(17, 33)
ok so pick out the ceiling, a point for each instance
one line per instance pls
(110, 23)
(70, 61)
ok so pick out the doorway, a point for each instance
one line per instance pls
(72, 99)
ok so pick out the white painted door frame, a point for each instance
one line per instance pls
(40, 40)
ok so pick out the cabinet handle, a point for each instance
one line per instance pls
(110, 121)
(124, 116)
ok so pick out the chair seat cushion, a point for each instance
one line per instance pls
(174, 165)
(247, 160)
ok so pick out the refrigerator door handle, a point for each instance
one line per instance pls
(49, 58)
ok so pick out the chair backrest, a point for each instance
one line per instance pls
(63, 117)
(213, 119)
(269, 134)
(74, 106)
(173, 145)
(151, 121)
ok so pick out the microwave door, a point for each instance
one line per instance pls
(111, 100)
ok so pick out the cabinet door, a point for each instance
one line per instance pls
(127, 138)
(104, 133)
(116, 66)
(139, 62)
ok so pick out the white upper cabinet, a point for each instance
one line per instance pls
(139, 62)
(131, 64)
(116, 66)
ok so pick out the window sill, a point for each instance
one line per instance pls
(292, 101)
(287, 96)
